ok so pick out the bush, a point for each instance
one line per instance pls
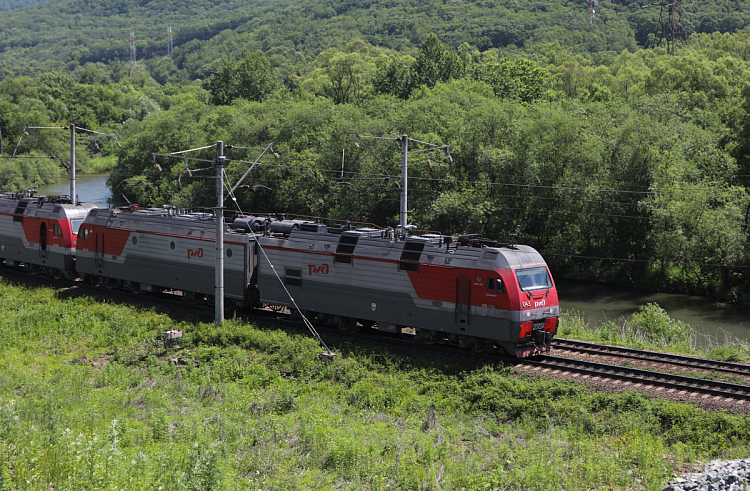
(652, 325)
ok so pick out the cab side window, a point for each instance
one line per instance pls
(84, 233)
(494, 285)
(57, 230)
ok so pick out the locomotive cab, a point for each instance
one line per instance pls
(531, 301)
(535, 285)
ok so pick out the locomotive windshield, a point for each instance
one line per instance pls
(533, 279)
(75, 225)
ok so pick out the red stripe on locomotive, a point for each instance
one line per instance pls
(32, 231)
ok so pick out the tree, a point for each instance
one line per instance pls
(435, 64)
(344, 77)
(250, 78)
(395, 77)
(523, 80)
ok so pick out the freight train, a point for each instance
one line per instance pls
(463, 290)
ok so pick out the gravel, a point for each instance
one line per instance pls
(718, 475)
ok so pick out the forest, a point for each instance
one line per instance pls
(618, 161)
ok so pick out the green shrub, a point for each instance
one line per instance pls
(652, 325)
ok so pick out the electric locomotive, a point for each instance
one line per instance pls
(463, 290)
(40, 232)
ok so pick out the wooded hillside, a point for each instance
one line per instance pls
(619, 163)
(64, 34)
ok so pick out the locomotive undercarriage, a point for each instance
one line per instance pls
(426, 336)
(38, 269)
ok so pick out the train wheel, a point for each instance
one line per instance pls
(477, 345)
(336, 320)
(345, 323)
(57, 274)
(135, 287)
(33, 269)
(427, 336)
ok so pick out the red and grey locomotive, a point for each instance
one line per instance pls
(463, 290)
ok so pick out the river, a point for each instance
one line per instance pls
(596, 303)
(90, 188)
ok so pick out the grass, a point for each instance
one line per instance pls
(89, 399)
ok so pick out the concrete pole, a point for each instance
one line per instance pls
(73, 163)
(404, 183)
(219, 286)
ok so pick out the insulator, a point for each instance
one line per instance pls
(429, 162)
(190, 174)
(450, 159)
(356, 144)
(275, 155)
(157, 167)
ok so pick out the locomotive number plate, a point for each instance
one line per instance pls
(538, 326)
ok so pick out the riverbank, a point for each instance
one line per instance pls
(651, 327)
(596, 304)
(89, 399)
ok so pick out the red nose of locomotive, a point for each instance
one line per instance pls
(537, 307)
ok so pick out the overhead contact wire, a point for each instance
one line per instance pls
(307, 323)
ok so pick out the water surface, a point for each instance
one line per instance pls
(90, 188)
(599, 303)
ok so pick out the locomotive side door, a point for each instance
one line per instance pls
(43, 240)
(463, 298)
(251, 263)
(99, 250)
(252, 297)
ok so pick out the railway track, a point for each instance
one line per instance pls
(667, 384)
(628, 377)
(686, 362)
